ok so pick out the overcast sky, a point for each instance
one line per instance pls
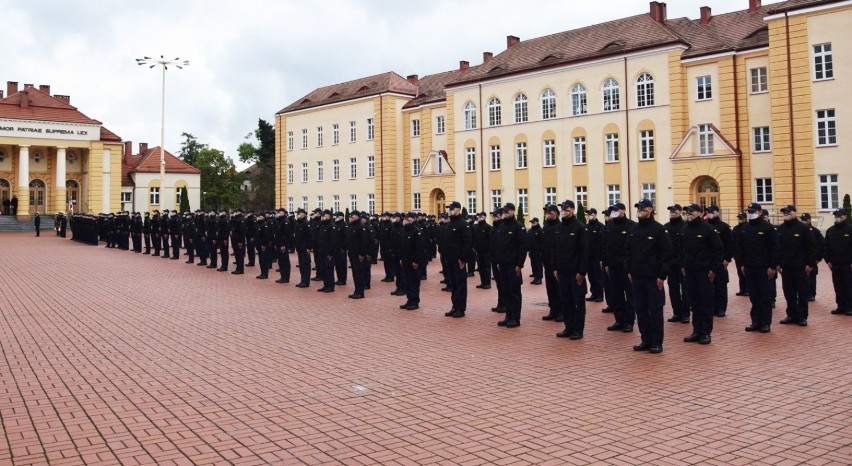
(248, 59)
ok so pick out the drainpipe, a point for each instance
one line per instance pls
(481, 152)
(381, 155)
(627, 132)
(790, 104)
(737, 133)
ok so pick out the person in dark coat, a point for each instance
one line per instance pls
(619, 294)
(676, 280)
(238, 241)
(741, 280)
(797, 257)
(176, 230)
(720, 284)
(165, 234)
(282, 242)
(265, 240)
(458, 244)
(358, 247)
(509, 255)
(392, 247)
(14, 205)
(411, 249)
(838, 256)
(146, 232)
(595, 274)
(251, 234)
(212, 240)
(326, 250)
(701, 256)
(340, 261)
(303, 244)
(548, 247)
(314, 223)
(820, 252)
(224, 230)
(757, 246)
(647, 255)
(569, 258)
(496, 221)
(37, 223)
(535, 251)
(189, 236)
(481, 236)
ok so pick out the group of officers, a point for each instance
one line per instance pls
(624, 262)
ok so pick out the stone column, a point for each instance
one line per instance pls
(23, 190)
(59, 201)
(107, 170)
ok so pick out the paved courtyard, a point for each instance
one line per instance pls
(110, 357)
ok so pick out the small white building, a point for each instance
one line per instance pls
(141, 189)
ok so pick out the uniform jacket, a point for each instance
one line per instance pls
(757, 244)
(511, 244)
(796, 245)
(302, 231)
(458, 240)
(534, 238)
(675, 229)
(594, 227)
(838, 244)
(570, 247)
(647, 251)
(725, 235)
(700, 247)
(412, 244)
(357, 239)
(481, 236)
(614, 239)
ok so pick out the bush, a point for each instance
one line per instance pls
(581, 212)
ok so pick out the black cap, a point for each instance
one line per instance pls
(365, 215)
(692, 208)
(754, 207)
(742, 215)
(534, 220)
(338, 214)
(551, 208)
(498, 211)
(839, 212)
(316, 211)
(788, 208)
(674, 207)
(326, 212)
(509, 206)
(592, 211)
(409, 215)
(805, 216)
(567, 203)
(618, 206)
(482, 214)
(301, 211)
(712, 208)
(643, 204)
(764, 212)
(454, 205)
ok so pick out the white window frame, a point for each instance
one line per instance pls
(335, 134)
(154, 195)
(335, 170)
(305, 138)
(470, 159)
(320, 202)
(704, 88)
(581, 195)
(521, 108)
(304, 172)
(646, 144)
(128, 197)
(549, 153)
(291, 175)
(371, 166)
(415, 128)
(319, 136)
(440, 124)
(496, 157)
(550, 196)
(580, 150)
(613, 193)
(335, 202)
(470, 115)
(290, 204)
(521, 155)
(823, 62)
(371, 203)
(610, 94)
(548, 104)
(645, 90)
(705, 140)
(826, 128)
(415, 167)
(353, 131)
(305, 202)
(829, 191)
(290, 141)
(353, 202)
(371, 129)
(416, 203)
(320, 171)
(471, 202)
(524, 201)
(761, 139)
(495, 112)
(611, 147)
(649, 191)
(353, 168)
(579, 100)
(759, 80)
(763, 193)
(496, 199)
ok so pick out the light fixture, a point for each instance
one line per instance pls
(37, 157)
(71, 159)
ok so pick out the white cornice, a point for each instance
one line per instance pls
(344, 102)
(813, 9)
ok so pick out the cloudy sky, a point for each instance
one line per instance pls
(248, 59)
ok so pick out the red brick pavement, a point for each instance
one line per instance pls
(112, 357)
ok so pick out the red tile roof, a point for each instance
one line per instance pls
(363, 87)
(149, 162)
(735, 31)
(791, 5)
(430, 89)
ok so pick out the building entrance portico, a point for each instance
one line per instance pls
(706, 191)
(37, 196)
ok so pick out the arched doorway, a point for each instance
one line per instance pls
(72, 193)
(439, 201)
(37, 195)
(706, 191)
(5, 195)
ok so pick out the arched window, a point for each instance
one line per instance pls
(578, 100)
(521, 112)
(469, 116)
(610, 95)
(495, 112)
(548, 104)
(645, 90)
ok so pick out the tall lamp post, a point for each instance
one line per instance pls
(164, 63)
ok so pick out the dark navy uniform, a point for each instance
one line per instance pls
(302, 243)
(212, 240)
(701, 255)
(757, 246)
(265, 239)
(411, 252)
(340, 261)
(797, 258)
(510, 255)
(820, 253)
(619, 296)
(595, 274)
(481, 236)
(548, 247)
(535, 252)
(569, 260)
(458, 244)
(238, 242)
(325, 251)
(720, 284)
(838, 256)
(358, 247)
(283, 235)
(676, 280)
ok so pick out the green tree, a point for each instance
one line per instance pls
(847, 206)
(219, 179)
(189, 149)
(464, 212)
(581, 212)
(521, 217)
(259, 150)
(184, 200)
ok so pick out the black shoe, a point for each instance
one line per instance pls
(443, 282)
(607, 310)
(188, 262)
(719, 314)
(403, 306)
(684, 320)
(531, 276)
(627, 329)
(810, 300)
(848, 313)
(752, 328)
(316, 279)
(211, 266)
(470, 274)
(202, 264)
(356, 296)
(563, 334)
(221, 269)
(559, 319)
(250, 264)
(575, 336)
(764, 329)
(422, 279)
(412, 307)
(446, 288)
(387, 280)
(802, 322)
(449, 313)
(340, 283)
(704, 340)
(513, 324)
(484, 287)
(302, 285)
(598, 300)
(498, 309)
(590, 298)
(641, 347)
(615, 327)
(535, 282)
(787, 320)
(237, 272)
(261, 277)
(502, 323)
(673, 319)
(692, 338)
(325, 290)
(548, 317)
(741, 293)
(656, 349)
(281, 280)
(457, 314)
(838, 312)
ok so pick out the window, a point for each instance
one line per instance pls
(353, 168)
(305, 202)
(550, 196)
(495, 157)
(549, 152)
(440, 160)
(415, 167)
(290, 173)
(646, 145)
(440, 125)
(320, 202)
(705, 88)
(371, 129)
(371, 166)
(335, 202)
(177, 196)
(335, 134)
(611, 143)
(649, 191)
(471, 201)
(761, 139)
(521, 155)
(469, 116)
(613, 194)
(645, 90)
(304, 139)
(705, 140)
(289, 140)
(826, 128)
(763, 190)
(304, 172)
(580, 150)
(823, 63)
(319, 136)
(371, 203)
(415, 201)
(415, 128)
(290, 204)
(521, 112)
(353, 202)
(581, 195)
(125, 197)
(496, 199)
(470, 159)
(610, 95)
(829, 192)
(353, 132)
(578, 100)
(759, 80)
(495, 112)
(548, 104)
(523, 201)
(335, 170)
(320, 174)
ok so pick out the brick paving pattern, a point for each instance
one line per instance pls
(110, 357)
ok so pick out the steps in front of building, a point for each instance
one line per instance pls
(10, 223)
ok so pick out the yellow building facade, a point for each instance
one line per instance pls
(724, 109)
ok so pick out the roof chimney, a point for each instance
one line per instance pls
(65, 98)
(44, 88)
(463, 65)
(753, 5)
(128, 148)
(1, 94)
(512, 40)
(11, 87)
(658, 12)
(27, 86)
(705, 14)
(25, 99)
(143, 148)
(413, 79)
(487, 56)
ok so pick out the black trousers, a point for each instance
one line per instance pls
(360, 272)
(403, 276)
(250, 250)
(742, 282)
(700, 291)
(678, 294)
(841, 276)
(213, 253)
(536, 264)
(224, 256)
(328, 271)
(483, 263)
(340, 263)
(554, 297)
(190, 249)
(498, 282)
(720, 292)
(147, 237)
(510, 283)
(649, 300)
(471, 263)
(389, 263)
(412, 283)
(318, 264)
(622, 296)
(264, 255)
(595, 277)
(240, 256)
(456, 277)
(812, 281)
(203, 250)
(155, 237)
(164, 239)
(304, 267)
(760, 294)
(797, 290)
(283, 257)
(175, 246)
(572, 297)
